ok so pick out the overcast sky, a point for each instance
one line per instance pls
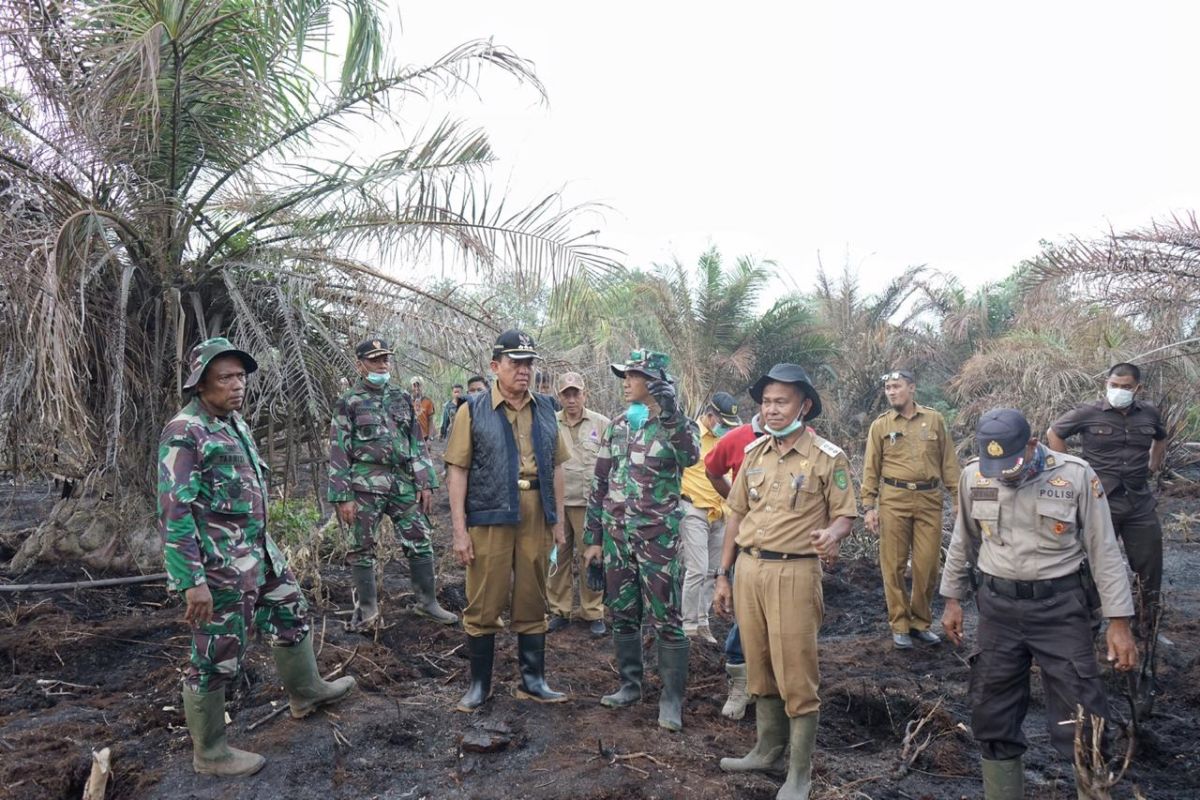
(950, 134)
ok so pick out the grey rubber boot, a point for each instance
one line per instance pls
(673, 669)
(771, 720)
(803, 739)
(629, 667)
(735, 704)
(1003, 780)
(366, 599)
(211, 754)
(421, 570)
(307, 691)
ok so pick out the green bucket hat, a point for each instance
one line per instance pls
(650, 363)
(203, 354)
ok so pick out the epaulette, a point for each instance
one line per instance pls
(755, 443)
(827, 447)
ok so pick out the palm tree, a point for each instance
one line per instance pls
(175, 170)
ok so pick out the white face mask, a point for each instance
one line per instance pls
(1119, 398)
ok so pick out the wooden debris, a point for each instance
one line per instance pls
(97, 783)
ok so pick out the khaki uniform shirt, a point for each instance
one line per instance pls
(918, 449)
(696, 484)
(1042, 529)
(783, 496)
(459, 448)
(583, 441)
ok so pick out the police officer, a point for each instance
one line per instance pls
(1032, 522)
(910, 457)
(504, 463)
(378, 466)
(212, 513)
(1124, 441)
(791, 503)
(633, 521)
(583, 428)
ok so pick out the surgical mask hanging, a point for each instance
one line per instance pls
(553, 562)
(796, 425)
(1119, 398)
(377, 378)
(637, 415)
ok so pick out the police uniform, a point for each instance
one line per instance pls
(1116, 443)
(212, 511)
(908, 461)
(1030, 544)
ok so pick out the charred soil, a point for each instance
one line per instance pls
(100, 667)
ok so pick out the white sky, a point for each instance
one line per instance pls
(890, 133)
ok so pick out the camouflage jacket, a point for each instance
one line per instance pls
(374, 443)
(212, 503)
(638, 473)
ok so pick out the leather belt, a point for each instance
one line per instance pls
(1032, 590)
(526, 484)
(916, 486)
(771, 555)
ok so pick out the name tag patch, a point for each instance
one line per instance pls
(985, 493)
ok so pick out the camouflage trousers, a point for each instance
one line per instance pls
(642, 579)
(412, 527)
(277, 609)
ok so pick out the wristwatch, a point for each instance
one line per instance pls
(721, 572)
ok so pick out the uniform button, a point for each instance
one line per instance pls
(768, 508)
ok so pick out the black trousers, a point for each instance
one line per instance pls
(1057, 633)
(1135, 519)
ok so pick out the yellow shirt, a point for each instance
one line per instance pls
(784, 496)
(459, 448)
(696, 484)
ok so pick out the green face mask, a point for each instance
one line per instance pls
(377, 379)
(795, 426)
(637, 415)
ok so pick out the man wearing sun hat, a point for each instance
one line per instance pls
(703, 526)
(504, 465)
(378, 467)
(1036, 526)
(633, 520)
(791, 504)
(212, 512)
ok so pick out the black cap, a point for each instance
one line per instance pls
(514, 344)
(789, 373)
(725, 407)
(1001, 437)
(896, 375)
(369, 348)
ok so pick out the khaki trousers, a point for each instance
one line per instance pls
(910, 522)
(779, 607)
(559, 589)
(509, 571)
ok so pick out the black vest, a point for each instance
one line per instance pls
(492, 494)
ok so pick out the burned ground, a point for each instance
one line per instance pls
(92, 668)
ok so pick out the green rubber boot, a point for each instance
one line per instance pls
(803, 739)
(307, 691)
(421, 570)
(771, 720)
(211, 754)
(673, 669)
(1003, 780)
(366, 599)
(629, 667)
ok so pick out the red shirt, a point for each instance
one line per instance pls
(727, 454)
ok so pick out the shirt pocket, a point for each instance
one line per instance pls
(369, 426)
(1056, 524)
(809, 498)
(756, 492)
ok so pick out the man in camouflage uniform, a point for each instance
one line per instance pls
(212, 511)
(378, 465)
(633, 519)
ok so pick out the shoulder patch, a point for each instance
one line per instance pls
(755, 443)
(828, 448)
(181, 441)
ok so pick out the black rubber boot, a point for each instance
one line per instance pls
(629, 667)
(673, 669)
(531, 653)
(482, 651)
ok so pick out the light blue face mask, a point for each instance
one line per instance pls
(377, 378)
(553, 563)
(637, 415)
(796, 425)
